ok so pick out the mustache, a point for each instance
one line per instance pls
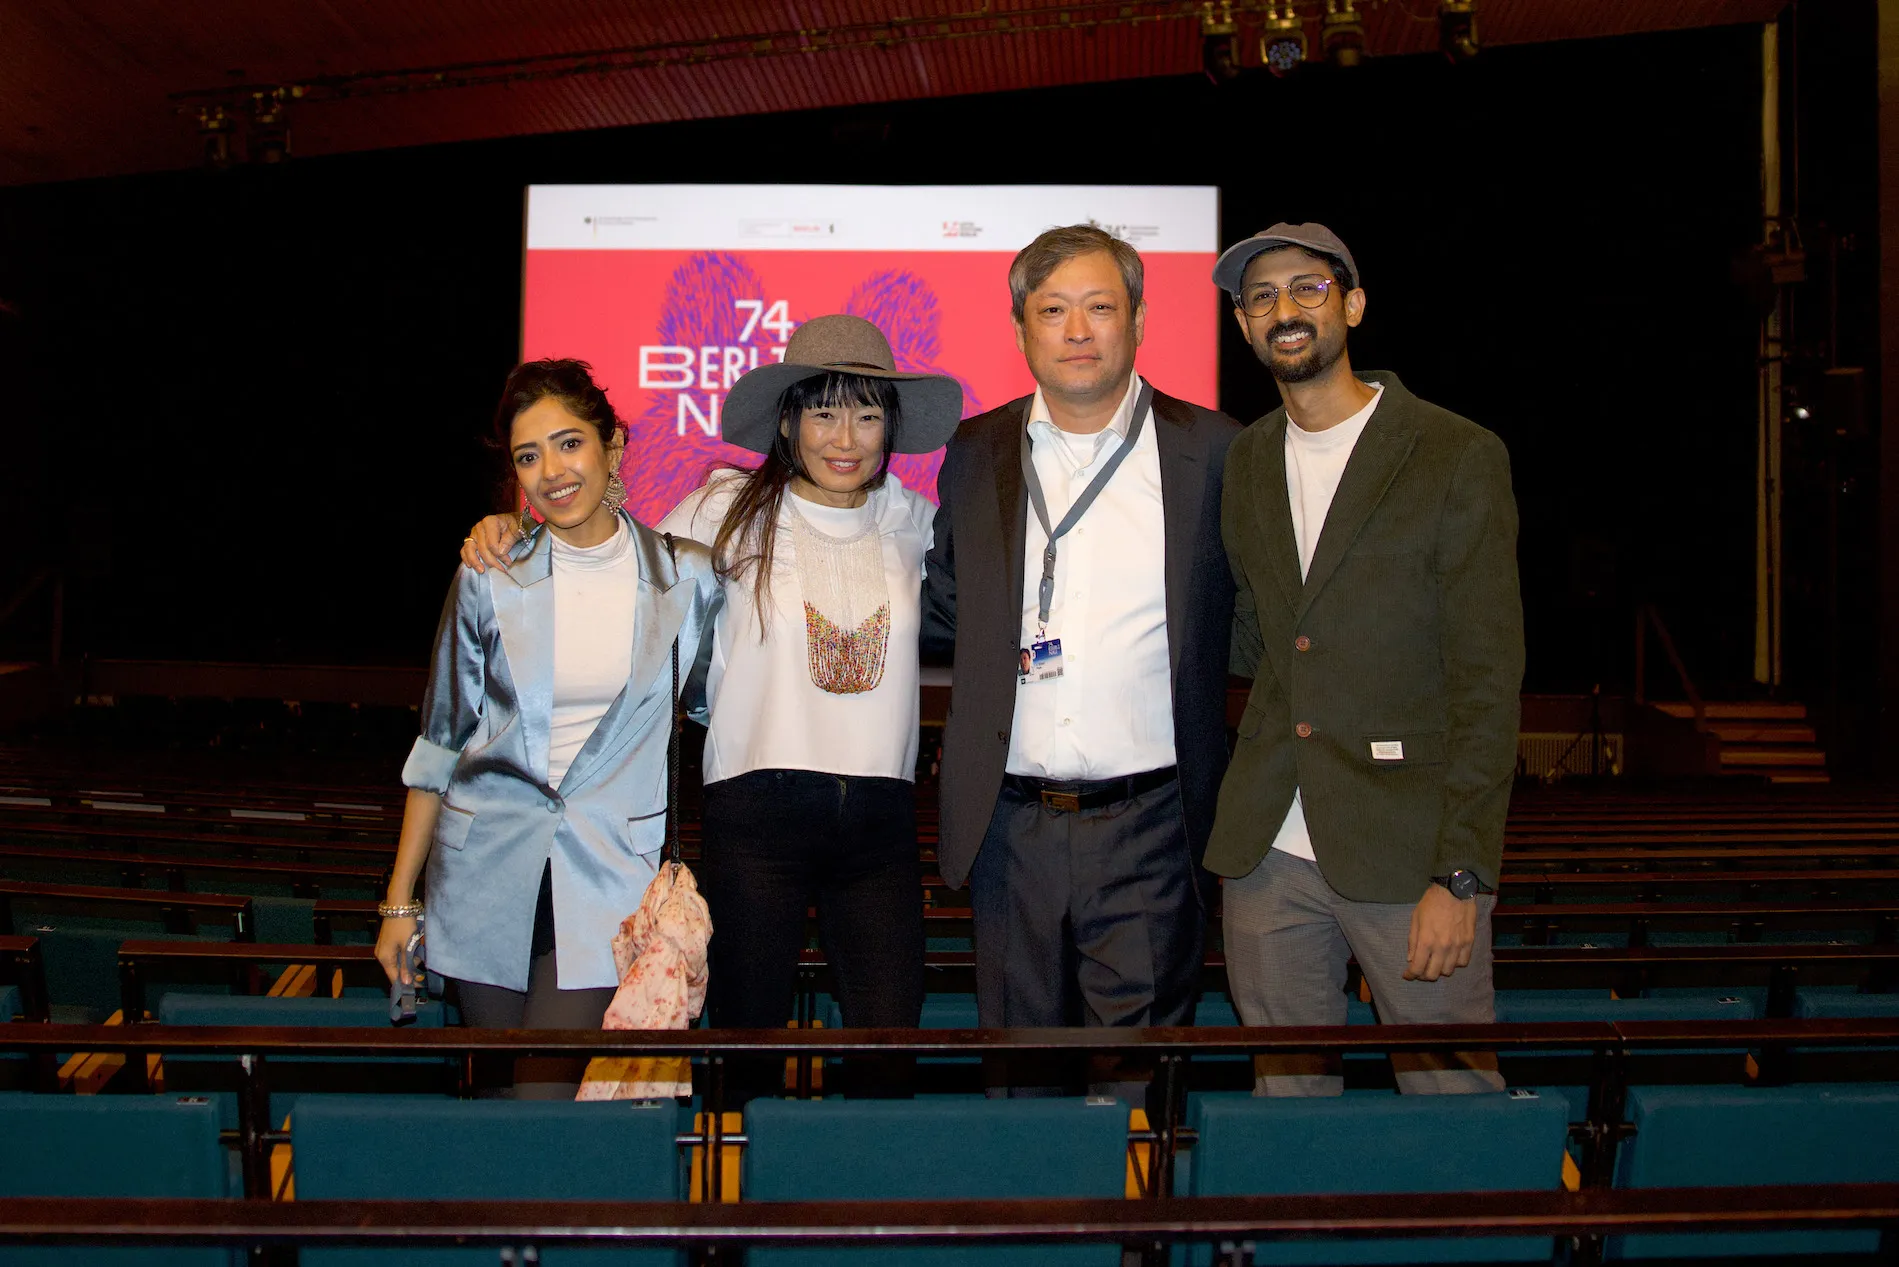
(1292, 327)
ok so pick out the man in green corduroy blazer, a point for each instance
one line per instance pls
(1372, 537)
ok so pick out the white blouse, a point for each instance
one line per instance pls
(767, 710)
(596, 589)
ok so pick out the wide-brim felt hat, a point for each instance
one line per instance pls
(931, 404)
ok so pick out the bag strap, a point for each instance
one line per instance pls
(674, 854)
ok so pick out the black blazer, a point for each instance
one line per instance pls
(972, 610)
(1407, 630)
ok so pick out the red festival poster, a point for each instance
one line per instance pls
(673, 291)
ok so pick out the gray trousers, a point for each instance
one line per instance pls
(1288, 937)
(1085, 918)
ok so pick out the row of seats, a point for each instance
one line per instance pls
(388, 1147)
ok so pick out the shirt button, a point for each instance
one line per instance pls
(1303, 730)
(1003, 735)
(553, 805)
(1302, 643)
(1067, 720)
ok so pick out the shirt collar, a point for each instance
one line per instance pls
(1119, 424)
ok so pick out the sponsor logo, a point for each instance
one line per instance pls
(960, 229)
(1132, 234)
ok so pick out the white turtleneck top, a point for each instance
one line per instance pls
(595, 594)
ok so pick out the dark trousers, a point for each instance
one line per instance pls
(544, 1005)
(775, 842)
(1092, 917)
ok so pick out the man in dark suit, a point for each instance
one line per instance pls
(1373, 541)
(1085, 741)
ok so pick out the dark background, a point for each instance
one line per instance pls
(241, 406)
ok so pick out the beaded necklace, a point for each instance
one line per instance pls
(846, 602)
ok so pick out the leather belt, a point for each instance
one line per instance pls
(1072, 795)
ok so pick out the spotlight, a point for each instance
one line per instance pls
(214, 134)
(1457, 29)
(1219, 42)
(270, 128)
(1342, 35)
(1282, 41)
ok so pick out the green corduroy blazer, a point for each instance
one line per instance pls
(1406, 636)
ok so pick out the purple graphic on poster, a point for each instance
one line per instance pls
(716, 323)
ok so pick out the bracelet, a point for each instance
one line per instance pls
(399, 910)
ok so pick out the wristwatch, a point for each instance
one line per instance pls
(1463, 884)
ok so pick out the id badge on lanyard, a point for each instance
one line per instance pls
(1041, 660)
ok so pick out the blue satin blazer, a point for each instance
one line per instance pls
(483, 746)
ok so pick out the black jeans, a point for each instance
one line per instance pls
(775, 842)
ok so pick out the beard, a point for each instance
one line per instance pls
(1314, 361)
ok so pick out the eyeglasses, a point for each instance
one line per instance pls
(1262, 299)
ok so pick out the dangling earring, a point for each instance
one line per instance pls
(616, 492)
(527, 520)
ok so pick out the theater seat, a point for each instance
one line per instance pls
(1815, 1003)
(1529, 1008)
(365, 1147)
(1374, 1142)
(807, 1150)
(294, 1077)
(1705, 1136)
(9, 1002)
(111, 1146)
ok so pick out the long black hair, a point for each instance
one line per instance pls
(748, 537)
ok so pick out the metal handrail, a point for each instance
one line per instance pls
(1647, 615)
(1588, 1212)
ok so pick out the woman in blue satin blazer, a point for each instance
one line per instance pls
(537, 788)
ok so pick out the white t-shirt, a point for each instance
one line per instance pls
(1315, 463)
(766, 711)
(596, 590)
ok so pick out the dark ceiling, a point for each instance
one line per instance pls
(106, 87)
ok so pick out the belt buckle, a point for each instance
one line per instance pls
(1069, 802)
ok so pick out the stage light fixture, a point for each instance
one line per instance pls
(1282, 40)
(1457, 29)
(1342, 35)
(214, 135)
(1219, 42)
(269, 140)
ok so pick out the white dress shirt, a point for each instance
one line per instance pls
(1315, 463)
(1111, 713)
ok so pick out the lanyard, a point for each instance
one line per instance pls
(1142, 404)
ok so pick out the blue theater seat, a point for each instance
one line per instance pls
(1375, 1142)
(9, 1002)
(1525, 1007)
(294, 1077)
(808, 1150)
(1711, 1136)
(1816, 1003)
(111, 1146)
(368, 1147)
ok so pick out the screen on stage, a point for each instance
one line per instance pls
(673, 291)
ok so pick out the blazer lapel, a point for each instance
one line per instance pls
(659, 612)
(1183, 477)
(1375, 460)
(524, 612)
(1012, 500)
(1275, 513)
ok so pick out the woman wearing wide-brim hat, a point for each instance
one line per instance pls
(811, 757)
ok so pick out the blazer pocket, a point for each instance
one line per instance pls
(646, 833)
(451, 827)
(1252, 721)
(1417, 747)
